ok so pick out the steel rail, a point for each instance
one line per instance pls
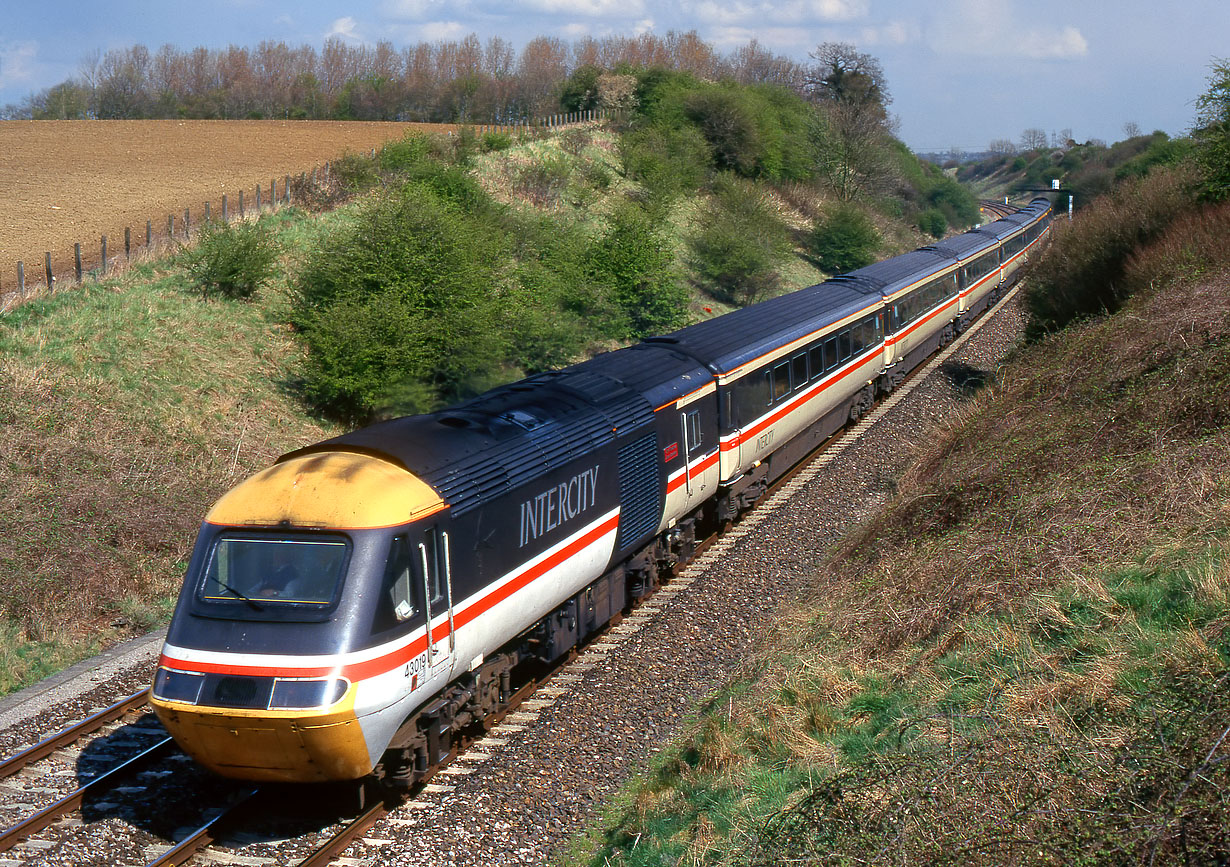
(204, 836)
(44, 817)
(61, 739)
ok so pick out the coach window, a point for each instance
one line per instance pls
(817, 361)
(800, 369)
(843, 344)
(781, 380)
(830, 353)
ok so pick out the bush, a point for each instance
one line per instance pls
(739, 242)
(232, 259)
(400, 310)
(544, 180)
(635, 261)
(495, 141)
(1082, 272)
(666, 161)
(932, 222)
(844, 240)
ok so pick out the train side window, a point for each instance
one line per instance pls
(781, 380)
(693, 427)
(830, 353)
(843, 343)
(435, 578)
(856, 338)
(397, 581)
(800, 369)
(817, 361)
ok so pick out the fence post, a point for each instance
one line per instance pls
(224, 214)
(286, 189)
(21, 279)
(273, 193)
(258, 198)
(127, 244)
(170, 228)
(47, 263)
(149, 234)
(207, 212)
(104, 254)
(187, 222)
(241, 204)
(77, 261)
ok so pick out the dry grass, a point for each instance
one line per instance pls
(127, 408)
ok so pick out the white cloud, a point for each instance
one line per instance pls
(18, 63)
(444, 30)
(990, 28)
(1068, 42)
(587, 8)
(345, 28)
(418, 10)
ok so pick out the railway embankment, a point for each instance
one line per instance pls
(1024, 657)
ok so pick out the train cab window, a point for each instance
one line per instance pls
(399, 588)
(258, 571)
(830, 353)
(400, 597)
(799, 363)
(817, 361)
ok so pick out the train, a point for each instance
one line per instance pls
(350, 610)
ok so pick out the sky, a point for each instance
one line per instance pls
(961, 73)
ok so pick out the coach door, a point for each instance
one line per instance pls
(434, 561)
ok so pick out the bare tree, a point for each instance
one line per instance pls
(1033, 139)
(1131, 129)
(1001, 147)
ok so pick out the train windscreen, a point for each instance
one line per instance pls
(280, 570)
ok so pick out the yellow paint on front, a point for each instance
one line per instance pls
(337, 490)
(271, 745)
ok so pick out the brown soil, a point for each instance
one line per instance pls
(67, 182)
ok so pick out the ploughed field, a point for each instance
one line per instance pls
(66, 182)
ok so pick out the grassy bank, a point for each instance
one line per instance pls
(1023, 660)
(126, 408)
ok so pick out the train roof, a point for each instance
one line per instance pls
(510, 435)
(963, 246)
(725, 343)
(893, 275)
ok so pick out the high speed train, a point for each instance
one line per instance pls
(350, 609)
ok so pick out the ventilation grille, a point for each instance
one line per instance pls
(639, 490)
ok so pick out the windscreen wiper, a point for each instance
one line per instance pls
(241, 595)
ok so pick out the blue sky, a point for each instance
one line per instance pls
(961, 72)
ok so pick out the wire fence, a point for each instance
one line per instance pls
(95, 260)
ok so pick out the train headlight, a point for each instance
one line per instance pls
(184, 686)
(301, 694)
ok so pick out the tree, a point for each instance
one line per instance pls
(847, 76)
(852, 150)
(1033, 139)
(1212, 133)
(1001, 147)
